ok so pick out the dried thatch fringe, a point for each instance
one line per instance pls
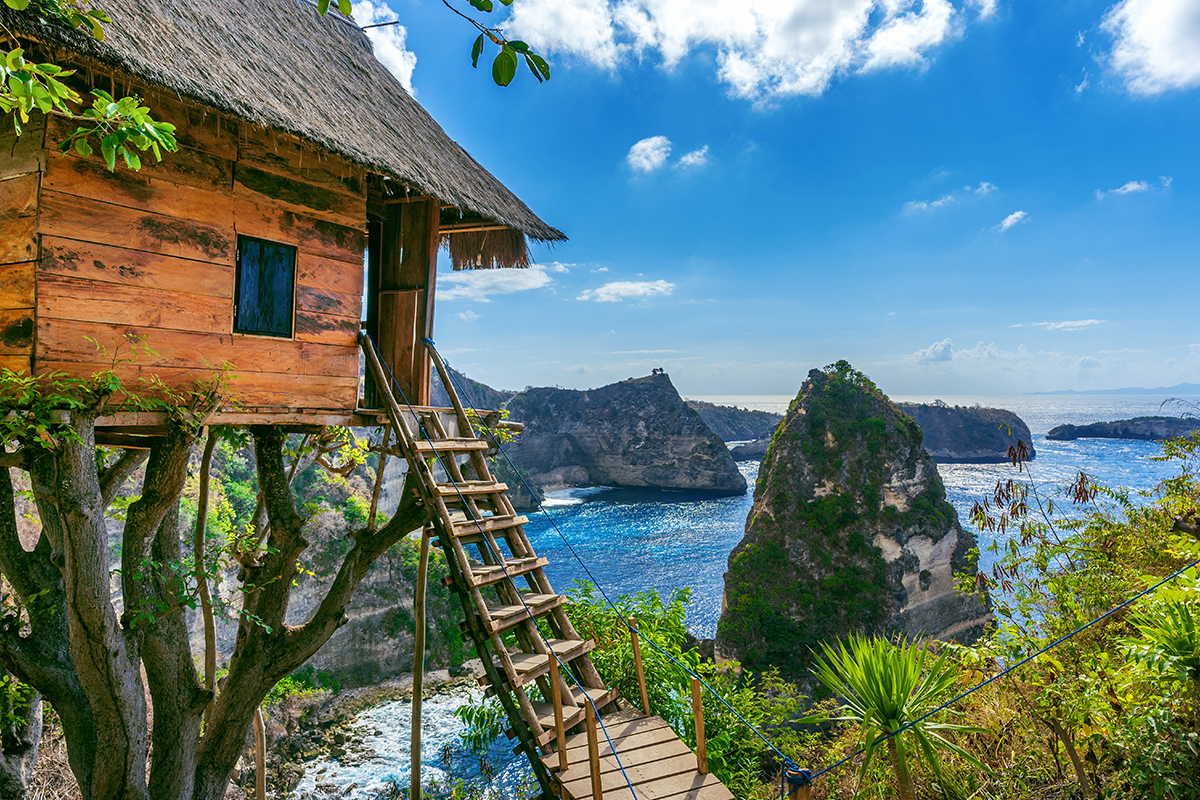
(487, 249)
(278, 64)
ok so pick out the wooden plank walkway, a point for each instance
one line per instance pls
(657, 764)
(510, 605)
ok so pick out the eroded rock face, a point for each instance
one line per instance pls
(637, 432)
(1144, 428)
(975, 435)
(850, 531)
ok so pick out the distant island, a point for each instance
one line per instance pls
(1179, 388)
(1143, 428)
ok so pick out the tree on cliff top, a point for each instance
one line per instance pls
(85, 651)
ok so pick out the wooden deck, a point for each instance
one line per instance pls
(657, 764)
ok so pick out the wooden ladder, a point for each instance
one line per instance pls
(499, 578)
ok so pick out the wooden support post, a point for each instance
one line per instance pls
(637, 665)
(560, 731)
(260, 756)
(797, 783)
(418, 671)
(593, 751)
(698, 714)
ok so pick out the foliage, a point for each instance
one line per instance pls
(885, 686)
(1170, 639)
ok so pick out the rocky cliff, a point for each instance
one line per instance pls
(735, 424)
(962, 435)
(850, 530)
(1146, 428)
(637, 432)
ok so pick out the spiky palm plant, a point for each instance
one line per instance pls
(885, 685)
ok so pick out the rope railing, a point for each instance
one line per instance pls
(504, 568)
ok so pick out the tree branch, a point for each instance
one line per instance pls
(113, 477)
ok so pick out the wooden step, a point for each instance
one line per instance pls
(530, 666)
(492, 524)
(451, 446)
(505, 617)
(451, 491)
(494, 573)
(572, 715)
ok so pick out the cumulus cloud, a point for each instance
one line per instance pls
(696, 158)
(389, 41)
(1156, 44)
(1132, 187)
(763, 48)
(938, 351)
(1069, 325)
(984, 187)
(649, 154)
(1012, 219)
(482, 284)
(616, 291)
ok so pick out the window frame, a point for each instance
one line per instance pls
(237, 288)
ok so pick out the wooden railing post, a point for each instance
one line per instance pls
(593, 751)
(698, 713)
(797, 783)
(637, 665)
(560, 731)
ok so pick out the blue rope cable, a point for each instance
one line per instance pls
(504, 568)
(786, 760)
(1007, 670)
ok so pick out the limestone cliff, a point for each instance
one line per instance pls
(1145, 428)
(637, 432)
(968, 435)
(850, 530)
(735, 424)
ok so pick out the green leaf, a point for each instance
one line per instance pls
(477, 50)
(322, 7)
(82, 147)
(519, 46)
(345, 7)
(541, 64)
(504, 68)
(533, 69)
(110, 157)
(17, 5)
(483, 5)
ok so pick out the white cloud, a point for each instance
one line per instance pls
(481, 285)
(616, 291)
(558, 266)
(388, 41)
(1156, 44)
(1132, 187)
(696, 158)
(1012, 219)
(649, 154)
(467, 316)
(1083, 84)
(598, 269)
(983, 188)
(938, 351)
(1069, 325)
(763, 48)
(913, 206)
(1166, 181)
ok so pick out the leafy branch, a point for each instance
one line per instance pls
(504, 66)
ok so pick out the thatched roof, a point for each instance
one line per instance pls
(279, 64)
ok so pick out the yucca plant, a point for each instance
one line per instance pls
(883, 686)
(1171, 639)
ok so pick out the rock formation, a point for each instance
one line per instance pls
(962, 435)
(735, 424)
(752, 451)
(1145, 428)
(637, 432)
(850, 530)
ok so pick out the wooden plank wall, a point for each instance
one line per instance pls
(408, 268)
(153, 253)
(22, 160)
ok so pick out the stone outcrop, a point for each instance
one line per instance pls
(735, 424)
(1144, 428)
(637, 432)
(850, 530)
(968, 435)
(752, 451)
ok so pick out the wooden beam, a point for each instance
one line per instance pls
(637, 665)
(124, 440)
(473, 227)
(698, 716)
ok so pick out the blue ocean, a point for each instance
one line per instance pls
(629, 540)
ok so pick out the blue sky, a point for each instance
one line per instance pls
(958, 196)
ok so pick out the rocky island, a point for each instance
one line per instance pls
(638, 432)
(735, 424)
(968, 435)
(1144, 428)
(850, 530)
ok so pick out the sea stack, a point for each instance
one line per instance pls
(850, 531)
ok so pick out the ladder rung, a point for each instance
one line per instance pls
(470, 488)
(505, 617)
(530, 666)
(451, 445)
(496, 523)
(513, 567)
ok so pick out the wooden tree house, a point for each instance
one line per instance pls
(303, 165)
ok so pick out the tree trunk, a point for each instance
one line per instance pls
(903, 785)
(1085, 784)
(19, 747)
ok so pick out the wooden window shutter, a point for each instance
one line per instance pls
(265, 289)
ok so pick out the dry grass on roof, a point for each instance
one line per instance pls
(277, 63)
